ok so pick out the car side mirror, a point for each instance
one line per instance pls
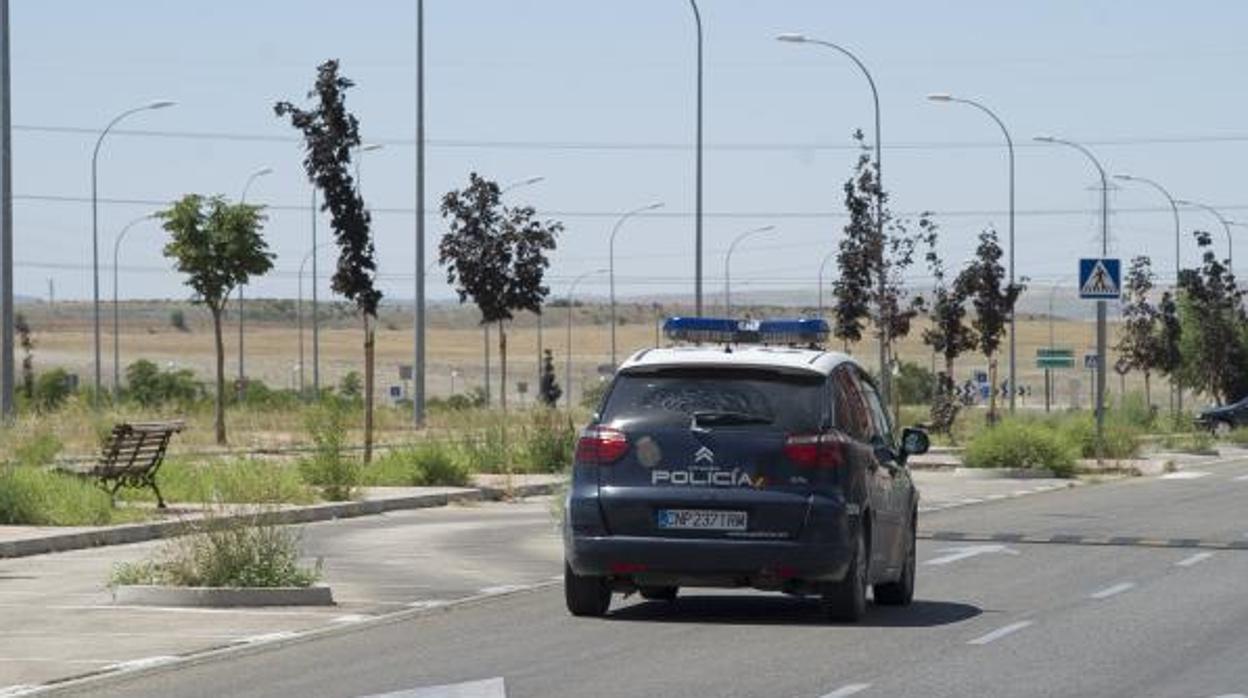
(914, 442)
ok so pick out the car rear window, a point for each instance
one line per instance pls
(786, 401)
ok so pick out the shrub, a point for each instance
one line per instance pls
(592, 396)
(547, 442)
(914, 384)
(430, 464)
(329, 467)
(39, 448)
(485, 451)
(149, 386)
(52, 389)
(1122, 439)
(237, 480)
(177, 320)
(351, 386)
(219, 554)
(1021, 444)
(261, 396)
(32, 496)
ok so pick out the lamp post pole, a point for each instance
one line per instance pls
(823, 266)
(728, 264)
(116, 315)
(242, 374)
(486, 328)
(6, 223)
(1226, 225)
(311, 254)
(418, 304)
(1009, 143)
(95, 231)
(697, 246)
(567, 376)
(611, 264)
(885, 374)
(1101, 339)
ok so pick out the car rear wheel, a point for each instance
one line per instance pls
(585, 595)
(900, 592)
(846, 601)
(659, 593)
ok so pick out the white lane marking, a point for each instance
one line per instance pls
(1241, 478)
(143, 663)
(349, 618)
(267, 637)
(428, 603)
(1231, 695)
(1000, 632)
(20, 689)
(1184, 475)
(968, 551)
(504, 589)
(994, 497)
(1112, 591)
(489, 688)
(1194, 560)
(845, 691)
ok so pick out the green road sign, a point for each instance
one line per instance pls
(1055, 357)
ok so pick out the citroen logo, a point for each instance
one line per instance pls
(704, 455)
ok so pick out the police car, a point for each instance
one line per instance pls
(745, 457)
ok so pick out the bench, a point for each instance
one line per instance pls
(132, 455)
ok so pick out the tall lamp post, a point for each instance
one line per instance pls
(567, 376)
(299, 310)
(697, 240)
(116, 315)
(1226, 225)
(6, 223)
(95, 231)
(1175, 389)
(242, 375)
(1009, 143)
(418, 304)
(885, 374)
(823, 268)
(1100, 304)
(728, 263)
(611, 263)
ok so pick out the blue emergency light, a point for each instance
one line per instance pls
(700, 330)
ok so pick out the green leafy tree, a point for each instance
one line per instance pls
(497, 256)
(330, 133)
(1169, 340)
(948, 333)
(982, 282)
(549, 391)
(25, 338)
(149, 386)
(1214, 348)
(1140, 343)
(218, 245)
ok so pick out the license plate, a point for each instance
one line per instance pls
(701, 520)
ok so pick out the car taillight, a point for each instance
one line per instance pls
(601, 446)
(814, 450)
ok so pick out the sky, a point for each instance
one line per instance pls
(598, 98)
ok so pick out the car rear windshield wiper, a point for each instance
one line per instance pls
(724, 417)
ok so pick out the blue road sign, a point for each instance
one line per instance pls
(1100, 278)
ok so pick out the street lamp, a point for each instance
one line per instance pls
(95, 234)
(299, 313)
(567, 378)
(697, 216)
(116, 315)
(728, 264)
(359, 151)
(823, 266)
(1174, 208)
(521, 183)
(263, 171)
(885, 374)
(611, 266)
(528, 181)
(1009, 143)
(1226, 225)
(1100, 304)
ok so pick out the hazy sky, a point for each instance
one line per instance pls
(598, 97)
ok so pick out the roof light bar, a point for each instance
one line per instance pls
(727, 331)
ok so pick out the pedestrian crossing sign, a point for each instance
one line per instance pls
(1100, 278)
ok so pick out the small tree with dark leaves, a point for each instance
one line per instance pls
(1169, 337)
(1215, 353)
(25, 338)
(947, 333)
(330, 133)
(218, 246)
(982, 282)
(1140, 343)
(496, 256)
(549, 390)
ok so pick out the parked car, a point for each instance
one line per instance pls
(1223, 418)
(755, 466)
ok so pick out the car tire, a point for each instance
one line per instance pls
(846, 601)
(659, 593)
(587, 595)
(900, 592)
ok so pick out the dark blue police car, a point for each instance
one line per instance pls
(749, 459)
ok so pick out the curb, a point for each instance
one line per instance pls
(138, 533)
(221, 597)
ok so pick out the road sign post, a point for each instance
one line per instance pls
(1049, 359)
(1100, 279)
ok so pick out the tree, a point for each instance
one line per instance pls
(1170, 335)
(1140, 344)
(549, 391)
(948, 334)
(26, 340)
(219, 246)
(981, 282)
(872, 259)
(497, 256)
(330, 133)
(1214, 348)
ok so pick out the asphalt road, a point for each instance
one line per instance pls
(990, 619)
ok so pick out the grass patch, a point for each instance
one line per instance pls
(31, 496)
(220, 554)
(1238, 437)
(329, 467)
(235, 480)
(430, 464)
(547, 443)
(1197, 443)
(1023, 444)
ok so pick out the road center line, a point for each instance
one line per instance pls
(844, 691)
(1113, 591)
(1184, 475)
(1194, 560)
(1241, 478)
(1000, 632)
